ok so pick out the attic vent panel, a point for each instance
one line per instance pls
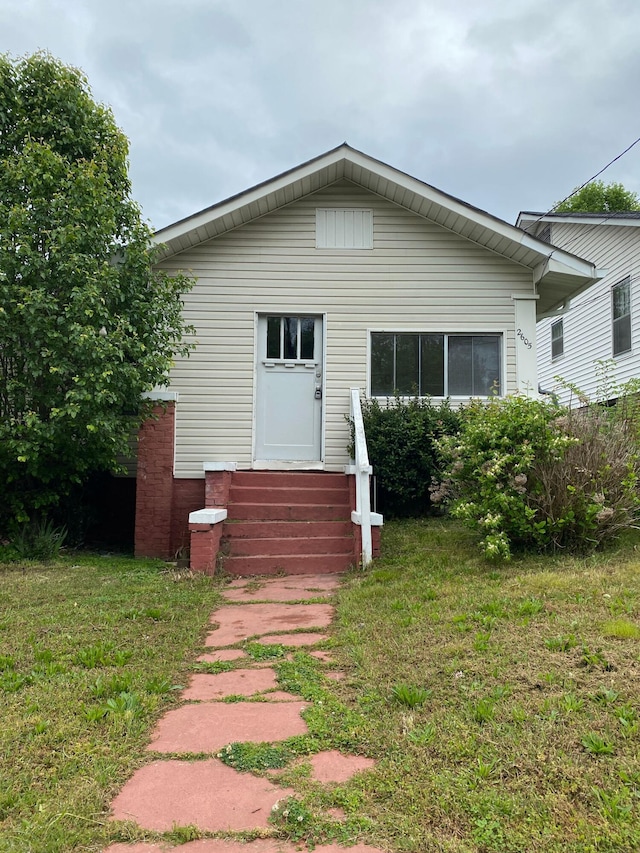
(545, 234)
(344, 228)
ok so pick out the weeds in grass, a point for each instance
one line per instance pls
(597, 745)
(605, 696)
(292, 818)
(260, 651)
(616, 805)
(256, 757)
(422, 735)
(561, 644)
(621, 629)
(594, 659)
(409, 695)
(101, 654)
(483, 711)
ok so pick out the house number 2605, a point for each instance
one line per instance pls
(525, 340)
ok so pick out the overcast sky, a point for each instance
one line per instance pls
(507, 104)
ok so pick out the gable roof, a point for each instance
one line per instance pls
(557, 275)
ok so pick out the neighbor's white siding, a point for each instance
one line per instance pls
(418, 276)
(588, 335)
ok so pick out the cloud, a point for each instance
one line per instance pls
(506, 105)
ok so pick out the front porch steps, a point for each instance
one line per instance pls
(292, 522)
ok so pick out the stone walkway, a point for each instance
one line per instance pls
(205, 792)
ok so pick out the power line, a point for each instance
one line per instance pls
(582, 186)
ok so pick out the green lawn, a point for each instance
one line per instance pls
(90, 652)
(502, 704)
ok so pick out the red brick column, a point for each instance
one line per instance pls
(217, 486)
(154, 484)
(205, 527)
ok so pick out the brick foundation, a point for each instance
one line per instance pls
(163, 503)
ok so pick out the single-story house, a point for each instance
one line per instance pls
(342, 273)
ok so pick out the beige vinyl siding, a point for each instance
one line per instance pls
(417, 277)
(588, 323)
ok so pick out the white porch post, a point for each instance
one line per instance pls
(526, 367)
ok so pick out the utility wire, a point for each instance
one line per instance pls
(582, 186)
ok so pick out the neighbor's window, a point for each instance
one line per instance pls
(621, 299)
(344, 228)
(436, 365)
(557, 338)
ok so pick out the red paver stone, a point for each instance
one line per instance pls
(301, 639)
(280, 696)
(295, 588)
(323, 656)
(238, 622)
(209, 726)
(333, 766)
(240, 682)
(222, 655)
(335, 675)
(138, 847)
(207, 794)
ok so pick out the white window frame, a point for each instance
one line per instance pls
(499, 333)
(625, 282)
(555, 325)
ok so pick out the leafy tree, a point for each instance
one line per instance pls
(598, 197)
(86, 324)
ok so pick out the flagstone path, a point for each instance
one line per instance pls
(183, 790)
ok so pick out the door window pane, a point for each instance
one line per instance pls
(432, 365)
(290, 337)
(307, 346)
(273, 337)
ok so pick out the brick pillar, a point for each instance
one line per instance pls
(154, 485)
(217, 486)
(205, 527)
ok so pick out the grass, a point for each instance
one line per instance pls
(92, 651)
(529, 739)
(502, 705)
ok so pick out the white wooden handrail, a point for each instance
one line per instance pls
(363, 472)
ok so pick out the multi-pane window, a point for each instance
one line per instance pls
(437, 365)
(621, 305)
(290, 338)
(557, 338)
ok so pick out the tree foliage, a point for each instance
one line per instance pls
(86, 324)
(598, 197)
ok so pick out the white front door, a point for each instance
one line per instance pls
(289, 389)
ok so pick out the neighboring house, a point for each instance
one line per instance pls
(340, 273)
(593, 341)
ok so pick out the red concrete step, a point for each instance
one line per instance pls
(290, 546)
(299, 564)
(287, 494)
(301, 479)
(271, 529)
(260, 511)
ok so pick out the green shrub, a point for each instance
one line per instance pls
(531, 474)
(401, 440)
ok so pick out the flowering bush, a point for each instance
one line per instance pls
(531, 474)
